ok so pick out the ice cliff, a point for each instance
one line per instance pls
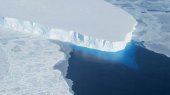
(62, 35)
(153, 21)
(152, 27)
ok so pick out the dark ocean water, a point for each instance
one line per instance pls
(133, 71)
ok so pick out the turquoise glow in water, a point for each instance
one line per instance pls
(133, 71)
(126, 56)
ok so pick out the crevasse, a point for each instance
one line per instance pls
(62, 35)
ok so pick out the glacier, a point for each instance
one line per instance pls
(153, 24)
(24, 51)
(29, 53)
(71, 37)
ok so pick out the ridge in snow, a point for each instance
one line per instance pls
(62, 35)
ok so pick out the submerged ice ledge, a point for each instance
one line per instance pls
(62, 35)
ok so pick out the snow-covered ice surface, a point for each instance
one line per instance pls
(153, 22)
(26, 64)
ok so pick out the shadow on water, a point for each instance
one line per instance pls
(132, 71)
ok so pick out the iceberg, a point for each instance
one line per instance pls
(71, 37)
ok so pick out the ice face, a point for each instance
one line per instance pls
(62, 35)
(153, 22)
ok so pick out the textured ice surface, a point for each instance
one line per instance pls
(4, 65)
(26, 65)
(62, 35)
(153, 22)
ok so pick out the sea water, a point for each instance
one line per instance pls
(132, 71)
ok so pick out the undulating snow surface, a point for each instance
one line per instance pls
(62, 35)
(153, 22)
(26, 65)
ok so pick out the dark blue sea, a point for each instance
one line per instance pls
(132, 71)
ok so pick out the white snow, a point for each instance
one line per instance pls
(26, 65)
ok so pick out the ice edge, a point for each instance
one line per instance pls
(64, 36)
